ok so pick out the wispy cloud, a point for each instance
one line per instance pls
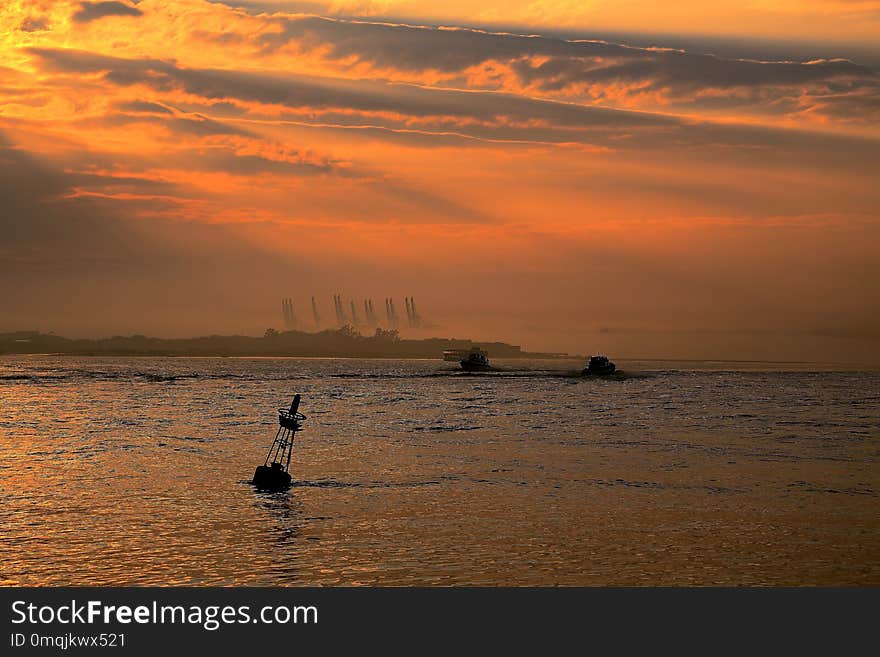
(92, 11)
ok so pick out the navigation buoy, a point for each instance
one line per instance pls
(273, 474)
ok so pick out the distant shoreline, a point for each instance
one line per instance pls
(345, 342)
(340, 343)
(524, 356)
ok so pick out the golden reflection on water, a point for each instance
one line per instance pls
(133, 471)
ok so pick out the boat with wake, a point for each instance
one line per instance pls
(477, 360)
(599, 366)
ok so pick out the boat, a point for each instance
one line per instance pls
(477, 360)
(599, 365)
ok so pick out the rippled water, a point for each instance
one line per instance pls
(134, 471)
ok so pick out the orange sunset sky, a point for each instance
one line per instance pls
(678, 179)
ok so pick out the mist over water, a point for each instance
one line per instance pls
(135, 471)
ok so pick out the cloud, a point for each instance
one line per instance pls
(111, 183)
(819, 21)
(143, 107)
(200, 160)
(35, 24)
(486, 115)
(45, 225)
(587, 70)
(822, 94)
(89, 261)
(92, 11)
(407, 113)
(177, 124)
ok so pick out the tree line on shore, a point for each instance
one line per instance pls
(344, 342)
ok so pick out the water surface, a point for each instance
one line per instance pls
(134, 471)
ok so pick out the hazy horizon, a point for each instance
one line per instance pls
(622, 344)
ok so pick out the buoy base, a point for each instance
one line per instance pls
(271, 477)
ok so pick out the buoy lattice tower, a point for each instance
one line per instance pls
(274, 473)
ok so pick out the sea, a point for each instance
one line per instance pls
(136, 471)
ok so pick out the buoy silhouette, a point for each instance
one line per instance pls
(273, 474)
